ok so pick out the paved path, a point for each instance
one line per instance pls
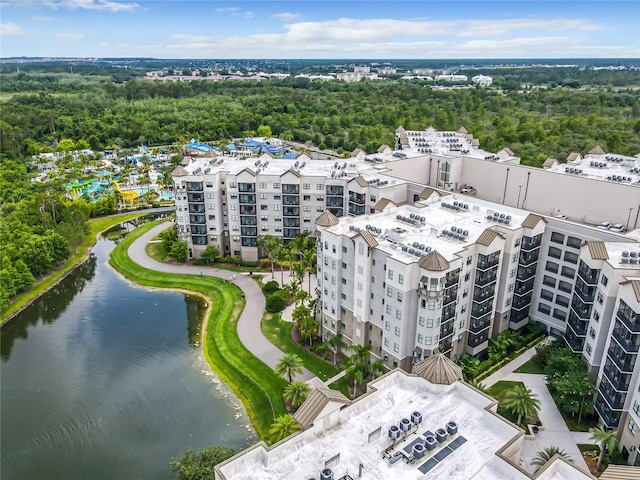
(512, 366)
(554, 431)
(249, 323)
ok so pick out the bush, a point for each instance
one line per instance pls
(270, 287)
(275, 304)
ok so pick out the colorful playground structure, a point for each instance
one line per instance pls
(97, 189)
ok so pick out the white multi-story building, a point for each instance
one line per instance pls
(411, 427)
(482, 80)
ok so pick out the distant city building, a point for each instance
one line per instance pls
(482, 80)
(451, 78)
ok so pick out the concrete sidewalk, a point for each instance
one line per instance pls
(554, 431)
(512, 366)
(249, 323)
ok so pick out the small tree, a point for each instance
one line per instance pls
(522, 402)
(210, 255)
(192, 466)
(336, 343)
(606, 440)
(282, 427)
(297, 392)
(547, 454)
(288, 366)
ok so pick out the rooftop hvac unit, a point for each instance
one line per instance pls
(465, 232)
(633, 254)
(452, 428)
(625, 254)
(357, 229)
(404, 248)
(303, 164)
(411, 251)
(333, 174)
(430, 442)
(419, 450)
(368, 227)
(633, 261)
(394, 432)
(398, 217)
(405, 425)
(411, 215)
(335, 165)
(459, 230)
(428, 249)
(351, 227)
(441, 435)
(466, 206)
(326, 474)
(489, 217)
(257, 163)
(416, 417)
(415, 244)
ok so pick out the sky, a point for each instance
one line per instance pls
(362, 29)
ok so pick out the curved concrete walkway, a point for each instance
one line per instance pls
(249, 323)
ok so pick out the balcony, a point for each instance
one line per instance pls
(573, 341)
(356, 210)
(446, 329)
(526, 273)
(445, 346)
(449, 312)
(249, 242)
(610, 418)
(629, 342)
(452, 278)
(194, 187)
(477, 325)
(618, 380)
(248, 210)
(195, 198)
(338, 212)
(581, 309)
(291, 211)
(450, 296)
(335, 190)
(290, 200)
(624, 361)
(523, 287)
(614, 399)
(475, 340)
(357, 198)
(530, 243)
(483, 293)
(197, 219)
(247, 198)
(578, 325)
(589, 275)
(291, 232)
(479, 309)
(291, 222)
(521, 301)
(528, 258)
(198, 229)
(199, 240)
(335, 202)
(488, 261)
(628, 317)
(249, 231)
(198, 208)
(249, 221)
(247, 187)
(291, 189)
(485, 278)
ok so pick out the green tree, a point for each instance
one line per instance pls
(357, 371)
(179, 251)
(270, 245)
(288, 366)
(199, 466)
(210, 255)
(264, 131)
(522, 402)
(297, 392)
(308, 328)
(606, 440)
(336, 343)
(547, 454)
(282, 427)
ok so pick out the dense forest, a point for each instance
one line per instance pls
(45, 111)
(535, 123)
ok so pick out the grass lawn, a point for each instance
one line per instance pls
(156, 251)
(41, 285)
(530, 367)
(497, 391)
(587, 447)
(255, 384)
(587, 422)
(342, 386)
(278, 332)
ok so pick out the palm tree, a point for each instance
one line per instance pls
(309, 262)
(289, 365)
(270, 245)
(360, 353)
(281, 256)
(605, 439)
(298, 272)
(336, 343)
(547, 454)
(357, 371)
(521, 401)
(377, 368)
(308, 328)
(282, 427)
(297, 392)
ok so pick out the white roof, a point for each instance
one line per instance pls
(600, 167)
(351, 434)
(395, 233)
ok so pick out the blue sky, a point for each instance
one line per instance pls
(320, 29)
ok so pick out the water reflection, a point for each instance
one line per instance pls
(100, 380)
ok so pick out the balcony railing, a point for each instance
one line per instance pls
(573, 341)
(247, 187)
(582, 310)
(609, 417)
(335, 191)
(614, 398)
(291, 211)
(475, 340)
(526, 273)
(618, 380)
(335, 202)
(197, 208)
(629, 342)
(357, 198)
(589, 275)
(197, 219)
(195, 198)
(530, 243)
(633, 324)
(291, 189)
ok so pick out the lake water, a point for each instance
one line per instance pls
(102, 379)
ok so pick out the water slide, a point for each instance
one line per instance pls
(128, 196)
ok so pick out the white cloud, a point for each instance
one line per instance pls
(235, 11)
(100, 5)
(71, 36)
(41, 18)
(10, 29)
(287, 16)
(104, 44)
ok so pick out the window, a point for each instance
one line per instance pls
(546, 294)
(396, 349)
(211, 195)
(390, 274)
(306, 198)
(397, 331)
(600, 298)
(632, 427)
(427, 340)
(420, 338)
(588, 349)
(507, 302)
(512, 273)
(387, 326)
(400, 296)
(571, 257)
(564, 286)
(469, 260)
(636, 407)
(401, 279)
(552, 267)
(463, 309)
(319, 186)
(306, 208)
(549, 281)
(263, 196)
(276, 185)
(388, 308)
(343, 296)
(399, 314)
(232, 184)
(510, 287)
(386, 342)
(319, 209)
(555, 252)
(373, 198)
(430, 322)
(432, 305)
(421, 321)
(517, 243)
(544, 308)
(276, 207)
(596, 315)
(562, 300)
(344, 265)
(211, 206)
(467, 276)
(461, 324)
(573, 242)
(557, 238)
(343, 281)
(559, 314)
(514, 258)
(209, 185)
(389, 291)
(592, 332)
(262, 184)
(212, 217)
(604, 280)
(262, 207)
(306, 186)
